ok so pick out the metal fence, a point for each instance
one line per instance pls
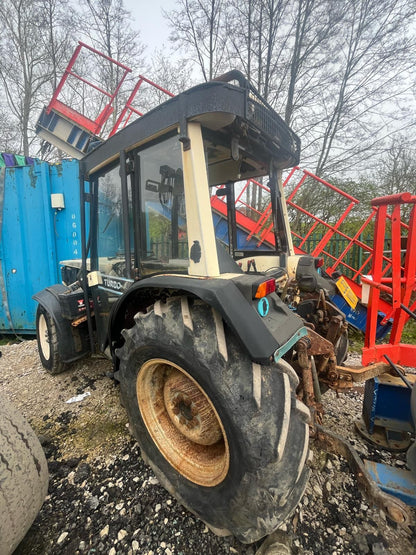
(354, 258)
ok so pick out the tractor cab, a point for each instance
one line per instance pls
(197, 312)
(156, 194)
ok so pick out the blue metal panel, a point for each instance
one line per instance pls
(221, 232)
(34, 238)
(25, 246)
(387, 404)
(358, 317)
(395, 481)
(67, 222)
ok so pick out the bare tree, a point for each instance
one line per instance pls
(375, 52)
(56, 18)
(105, 25)
(199, 27)
(173, 75)
(23, 66)
(339, 72)
(35, 44)
(9, 136)
(397, 169)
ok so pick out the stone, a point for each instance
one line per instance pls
(317, 489)
(121, 535)
(62, 538)
(104, 531)
(278, 543)
(82, 472)
(93, 502)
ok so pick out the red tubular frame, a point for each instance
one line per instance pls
(402, 281)
(399, 286)
(93, 126)
(129, 109)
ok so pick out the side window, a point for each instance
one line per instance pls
(164, 245)
(110, 238)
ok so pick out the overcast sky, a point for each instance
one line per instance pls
(148, 19)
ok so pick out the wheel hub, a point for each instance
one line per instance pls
(182, 422)
(190, 410)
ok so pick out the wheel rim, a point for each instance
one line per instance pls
(44, 337)
(183, 422)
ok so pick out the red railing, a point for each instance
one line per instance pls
(399, 285)
(129, 109)
(389, 273)
(95, 126)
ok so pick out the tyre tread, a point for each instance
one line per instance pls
(23, 476)
(54, 365)
(272, 481)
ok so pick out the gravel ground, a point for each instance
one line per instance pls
(104, 499)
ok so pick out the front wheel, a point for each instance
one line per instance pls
(224, 435)
(47, 339)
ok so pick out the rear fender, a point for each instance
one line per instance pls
(72, 342)
(260, 336)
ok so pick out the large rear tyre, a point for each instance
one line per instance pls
(225, 436)
(23, 477)
(48, 342)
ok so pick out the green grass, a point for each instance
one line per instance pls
(356, 338)
(409, 332)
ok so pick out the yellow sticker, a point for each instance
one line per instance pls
(347, 292)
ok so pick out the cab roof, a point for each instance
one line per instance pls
(216, 105)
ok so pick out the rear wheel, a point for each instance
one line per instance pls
(225, 436)
(48, 342)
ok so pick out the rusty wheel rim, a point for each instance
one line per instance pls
(182, 422)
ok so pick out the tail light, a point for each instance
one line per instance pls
(264, 288)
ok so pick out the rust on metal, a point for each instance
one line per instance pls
(309, 398)
(183, 423)
(319, 345)
(341, 378)
(80, 320)
(335, 328)
(190, 410)
(394, 508)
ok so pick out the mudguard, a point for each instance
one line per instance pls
(261, 336)
(70, 349)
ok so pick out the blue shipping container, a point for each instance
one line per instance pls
(35, 236)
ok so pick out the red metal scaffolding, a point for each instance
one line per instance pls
(398, 284)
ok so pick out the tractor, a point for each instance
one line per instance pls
(220, 347)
